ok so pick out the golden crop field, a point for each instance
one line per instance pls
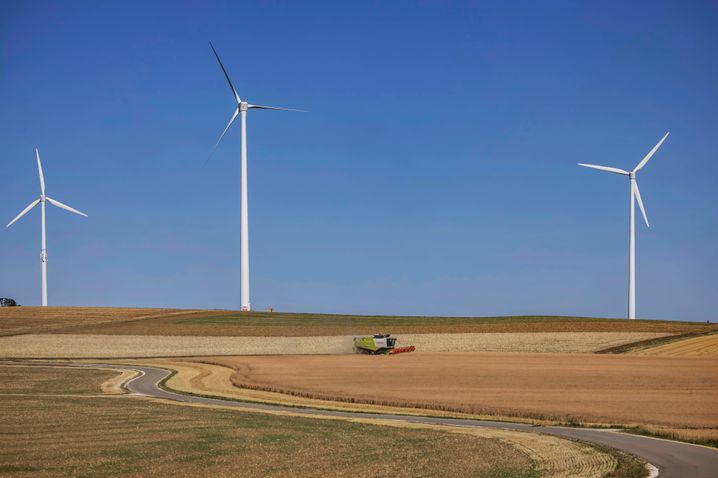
(705, 346)
(665, 392)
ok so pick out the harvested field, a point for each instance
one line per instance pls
(62, 435)
(23, 320)
(31, 380)
(537, 342)
(705, 346)
(114, 346)
(106, 321)
(676, 393)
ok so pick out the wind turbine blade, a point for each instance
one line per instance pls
(640, 201)
(231, 86)
(39, 169)
(261, 107)
(650, 153)
(605, 168)
(65, 207)
(231, 120)
(24, 211)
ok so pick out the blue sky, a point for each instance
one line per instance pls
(434, 174)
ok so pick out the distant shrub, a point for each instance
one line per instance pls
(6, 302)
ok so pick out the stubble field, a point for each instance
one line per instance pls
(24, 320)
(172, 322)
(123, 346)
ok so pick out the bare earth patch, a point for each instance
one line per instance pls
(113, 346)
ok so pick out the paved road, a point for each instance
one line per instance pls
(673, 459)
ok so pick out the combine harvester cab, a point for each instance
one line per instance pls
(379, 344)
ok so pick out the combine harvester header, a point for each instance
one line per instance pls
(379, 344)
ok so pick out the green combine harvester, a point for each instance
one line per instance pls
(379, 344)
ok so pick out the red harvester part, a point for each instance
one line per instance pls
(401, 350)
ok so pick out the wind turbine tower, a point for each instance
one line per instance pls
(41, 201)
(241, 110)
(635, 196)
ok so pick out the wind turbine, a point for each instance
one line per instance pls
(41, 201)
(241, 109)
(635, 196)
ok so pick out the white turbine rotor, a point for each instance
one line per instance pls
(238, 99)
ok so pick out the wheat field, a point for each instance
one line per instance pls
(705, 346)
(581, 388)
